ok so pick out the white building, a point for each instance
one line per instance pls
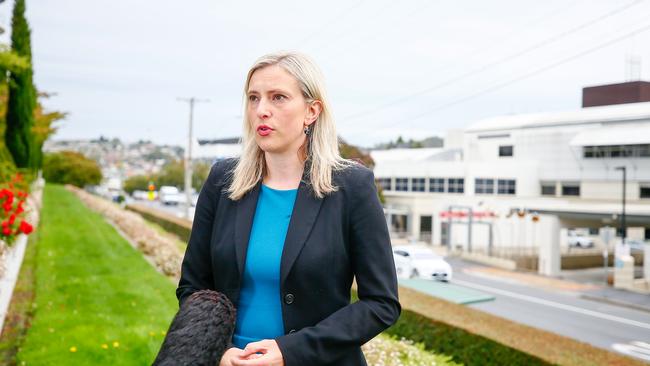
(214, 150)
(524, 178)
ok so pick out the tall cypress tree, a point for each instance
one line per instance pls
(22, 94)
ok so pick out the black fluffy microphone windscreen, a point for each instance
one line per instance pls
(200, 332)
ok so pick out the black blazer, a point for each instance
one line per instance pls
(329, 241)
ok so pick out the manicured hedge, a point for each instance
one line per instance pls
(462, 346)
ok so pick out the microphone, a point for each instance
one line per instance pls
(200, 332)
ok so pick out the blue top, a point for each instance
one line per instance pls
(259, 312)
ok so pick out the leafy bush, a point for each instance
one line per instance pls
(172, 174)
(462, 346)
(68, 167)
(136, 182)
(12, 212)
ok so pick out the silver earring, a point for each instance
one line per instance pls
(307, 131)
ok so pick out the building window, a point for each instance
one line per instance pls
(384, 183)
(616, 151)
(505, 150)
(401, 184)
(506, 186)
(437, 185)
(571, 190)
(455, 185)
(417, 184)
(644, 192)
(548, 189)
(483, 186)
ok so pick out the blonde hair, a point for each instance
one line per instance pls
(321, 148)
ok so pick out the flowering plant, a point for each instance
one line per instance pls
(12, 212)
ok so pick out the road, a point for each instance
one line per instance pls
(176, 210)
(563, 312)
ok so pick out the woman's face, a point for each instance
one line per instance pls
(278, 111)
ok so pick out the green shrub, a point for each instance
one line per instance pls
(68, 167)
(136, 182)
(463, 347)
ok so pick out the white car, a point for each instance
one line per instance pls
(420, 262)
(170, 195)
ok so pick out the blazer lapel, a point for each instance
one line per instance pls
(305, 211)
(243, 222)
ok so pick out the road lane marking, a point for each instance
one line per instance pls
(635, 349)
(554, 304)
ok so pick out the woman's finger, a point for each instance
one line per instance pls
(254, 348)
(259, 361)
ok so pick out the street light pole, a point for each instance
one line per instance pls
(188, 156)
(623, 228)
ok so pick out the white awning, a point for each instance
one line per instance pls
(614, 135)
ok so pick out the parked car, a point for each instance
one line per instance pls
(579, 241)
(413, 261)
(169, 195)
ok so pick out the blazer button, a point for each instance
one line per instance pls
(288, 299)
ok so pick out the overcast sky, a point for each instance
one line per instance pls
(410, 68)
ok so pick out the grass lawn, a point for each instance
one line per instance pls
(96, 300)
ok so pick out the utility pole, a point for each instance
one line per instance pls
(188, 155)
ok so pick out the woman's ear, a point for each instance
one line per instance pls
(313, 111)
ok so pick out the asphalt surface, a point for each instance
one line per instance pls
(566, 312)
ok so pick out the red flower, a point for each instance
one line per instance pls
(19, 210)
(12, 218)
(5, 224)
(6, 231)
(25, 227)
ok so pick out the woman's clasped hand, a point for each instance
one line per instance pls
(263, 353)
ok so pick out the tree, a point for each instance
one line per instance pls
(69, 167)
(43, 128)
(172, 174)
(137, 182)
(22, 94)
(354, 153)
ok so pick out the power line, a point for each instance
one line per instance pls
(498, 62)
(339, 16)
(395, 22)
(333, 40)
(418, 10)
(525, 76)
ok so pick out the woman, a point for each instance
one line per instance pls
(283, 230)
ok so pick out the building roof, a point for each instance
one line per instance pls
(611, 113)
(215, 151)
(632, 134)
(383, 156)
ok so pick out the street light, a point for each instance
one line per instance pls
(623, 228)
